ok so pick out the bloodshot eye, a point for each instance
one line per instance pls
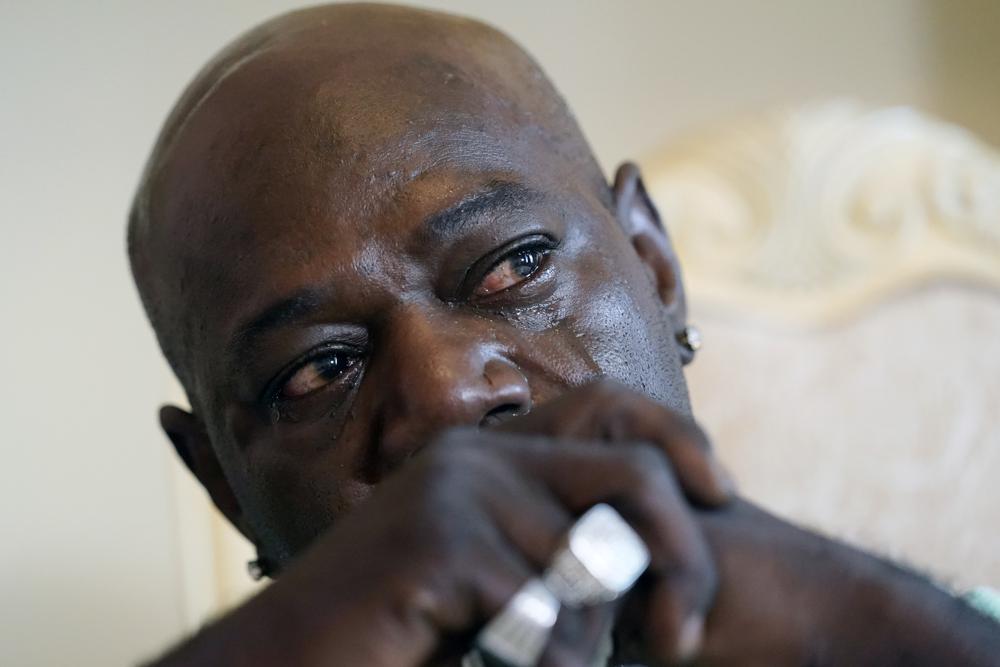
(316, 374)
(511, 270)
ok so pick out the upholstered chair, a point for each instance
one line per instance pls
(843, 265)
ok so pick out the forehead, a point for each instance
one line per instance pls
(309, 124)
(304, 153)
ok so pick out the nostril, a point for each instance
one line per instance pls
(501, 413)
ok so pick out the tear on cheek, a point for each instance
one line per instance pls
(538, 317)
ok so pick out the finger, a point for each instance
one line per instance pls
(699, 473)
(611, 412)
(529, 516)
(532, 522)
(627, 416)
(498, 574)
(520, 631)
(638, 481)
(492, 571)
(683, 587)
(522, 521)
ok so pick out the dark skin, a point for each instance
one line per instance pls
(421, 334)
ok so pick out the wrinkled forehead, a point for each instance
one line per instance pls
(313, 116)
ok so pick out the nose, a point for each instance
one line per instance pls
(439, 370)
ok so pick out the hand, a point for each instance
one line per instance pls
(441, 546)
(609, 412)
(767, 568)
(439, 549)
(786, 596)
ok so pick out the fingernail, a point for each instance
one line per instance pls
(689, 639)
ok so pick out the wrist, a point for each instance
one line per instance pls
(792, 597)
(887, 615)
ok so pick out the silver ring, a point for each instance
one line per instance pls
(518, 634)
(602, 559)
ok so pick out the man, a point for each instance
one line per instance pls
(421, 336)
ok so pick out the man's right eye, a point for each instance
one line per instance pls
(316, 374)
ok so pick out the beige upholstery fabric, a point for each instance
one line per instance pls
(844, 266)
(885, 431)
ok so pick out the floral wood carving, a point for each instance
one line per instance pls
(810, 215)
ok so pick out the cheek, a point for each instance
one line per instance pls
(620, 324)
(633, 345)
(299, 502)
(293, 484)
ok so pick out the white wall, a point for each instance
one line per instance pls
(89, 569)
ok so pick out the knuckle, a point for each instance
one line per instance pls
(612, 407)
(431, 585)
(649, 464)
(451, 452)
(696, 434)
(443, 487)
(606, 387)
(613, 394)
(649, 477)
(694, 581)
(610, 395)
(448, 531)
(689, 432)
(450, 440)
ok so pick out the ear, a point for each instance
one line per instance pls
(641, 222)
(189, 438)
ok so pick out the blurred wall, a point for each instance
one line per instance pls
(91, 534)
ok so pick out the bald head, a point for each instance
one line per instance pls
(363, 224)
(327, 111)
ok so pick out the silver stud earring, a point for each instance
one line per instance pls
(256, 569)
(690, 338)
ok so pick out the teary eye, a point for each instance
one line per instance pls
(316, 374)
(511, 270)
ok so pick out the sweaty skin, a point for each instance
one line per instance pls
(365, 229)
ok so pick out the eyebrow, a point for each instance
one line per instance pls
(496, 196)
(279, 314)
